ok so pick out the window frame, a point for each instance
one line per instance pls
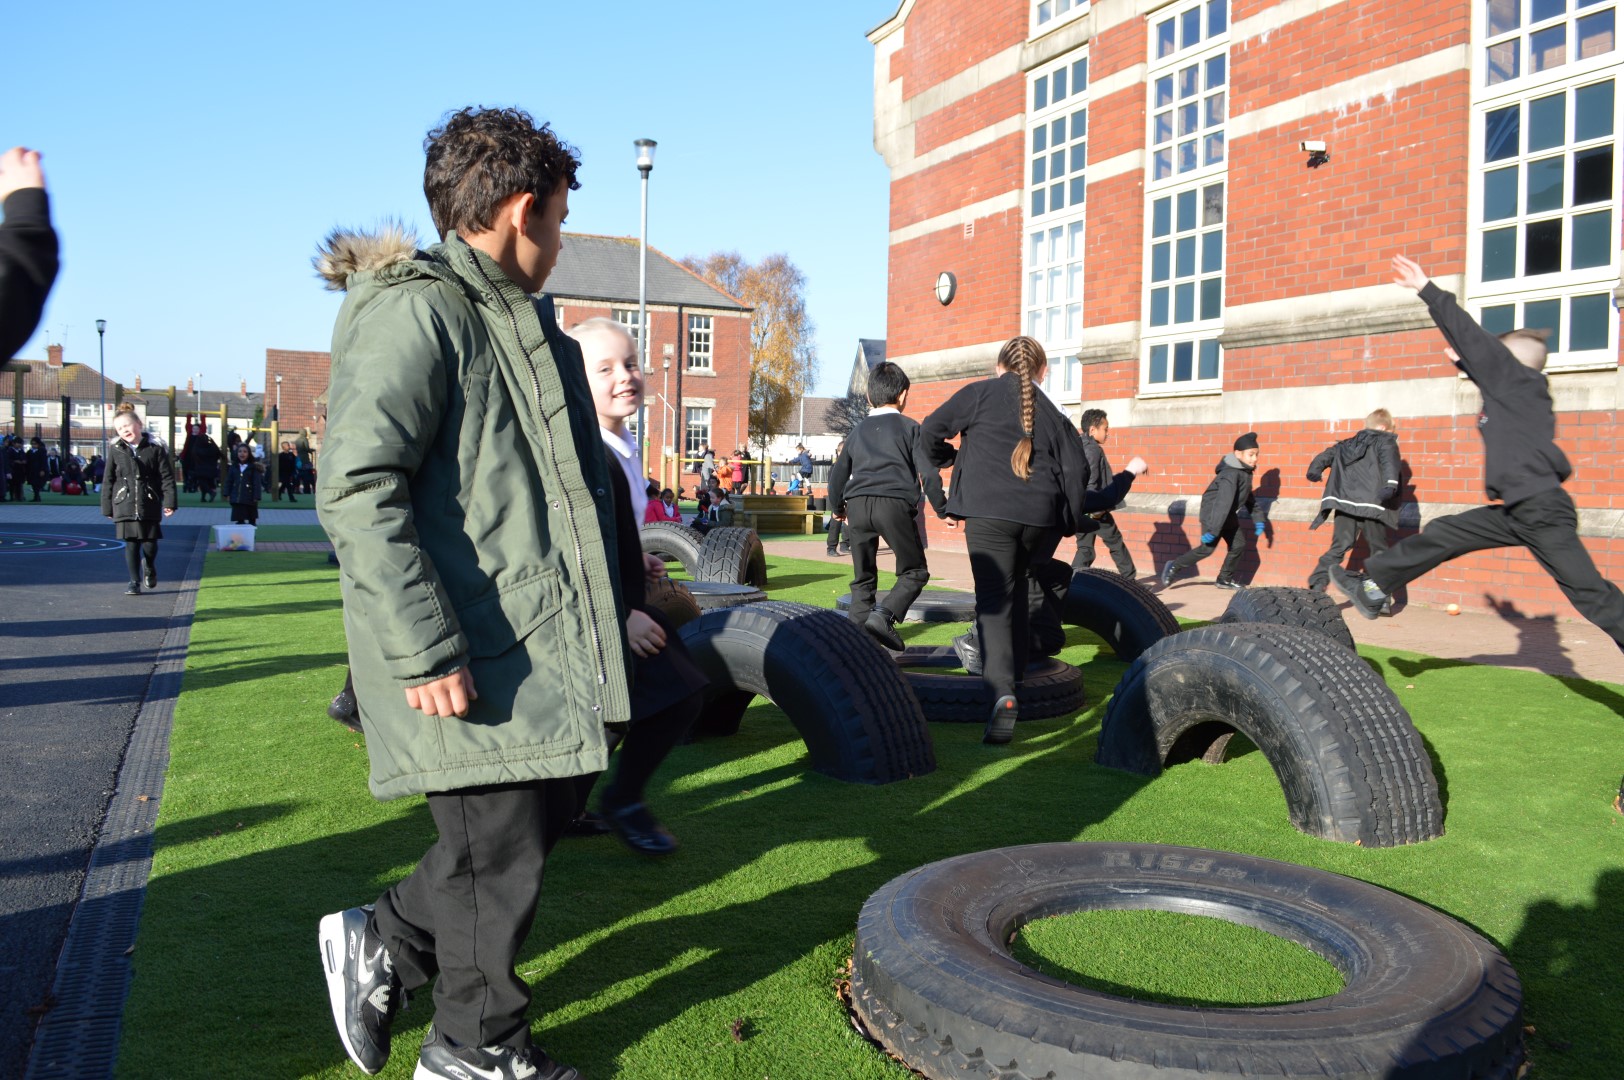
(1197, 331)
(1565, 285)
(1069, 271)
(1037, 27)
(693, 352)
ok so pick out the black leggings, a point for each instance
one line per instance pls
(134, 550)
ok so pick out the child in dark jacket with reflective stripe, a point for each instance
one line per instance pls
(1360, 493)
(1228, 493)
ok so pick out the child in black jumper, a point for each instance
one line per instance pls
(1229, 492)
(1523, 468)
(874, 488)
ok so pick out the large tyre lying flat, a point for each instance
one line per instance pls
(1289, 607)
(932, 605)
(673, 600)
(732, 554)
(710, 595)
(1049, 688)
(673, 542)
(1127, 615)
(1351, 763)
(842, 692)
(933, 980)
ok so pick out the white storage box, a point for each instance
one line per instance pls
(234, 538)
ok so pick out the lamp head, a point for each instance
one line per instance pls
(645, 155)
(101, 326)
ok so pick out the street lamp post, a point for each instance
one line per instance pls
(645, 165)
(197, 381)
(665, 427)
(101, 337)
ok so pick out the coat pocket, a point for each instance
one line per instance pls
(497, 622)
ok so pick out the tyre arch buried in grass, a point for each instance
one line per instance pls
(931, 605)
(673, 542)
(933, 980)
(1284, 606)
(844, 694)
(1127, 615)
(732, 554)
(1351, 764)
(1049, 688)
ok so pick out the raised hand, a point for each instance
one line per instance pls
(1408, 273)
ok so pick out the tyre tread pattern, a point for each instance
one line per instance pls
(1284, 606)
(734, 554)
(1125, 613)
(673, 540)
(843, 693)
(1368, 777)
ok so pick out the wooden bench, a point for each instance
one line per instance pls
(778, 513)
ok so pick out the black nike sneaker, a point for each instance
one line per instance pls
(362, 985)
(441, 1060)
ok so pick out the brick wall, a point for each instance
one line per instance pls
(1396, 181)
(304, 378)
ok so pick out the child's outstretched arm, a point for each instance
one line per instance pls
(1479, 353)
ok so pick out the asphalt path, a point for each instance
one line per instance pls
(76, 656)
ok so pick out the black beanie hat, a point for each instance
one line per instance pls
(1247, 441)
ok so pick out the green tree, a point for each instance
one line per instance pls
(783, 359)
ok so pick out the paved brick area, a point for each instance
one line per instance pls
(1557, 646)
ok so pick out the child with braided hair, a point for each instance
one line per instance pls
(1020, 483)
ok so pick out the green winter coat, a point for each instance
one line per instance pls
(464, 487)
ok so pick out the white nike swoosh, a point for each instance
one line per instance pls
(492, 1074)
(367, 971)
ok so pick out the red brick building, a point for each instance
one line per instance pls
(699, 350)
(1127, 183)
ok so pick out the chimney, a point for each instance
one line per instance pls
(53, 357)
(245, 388)
(138, 384)
(189, 388)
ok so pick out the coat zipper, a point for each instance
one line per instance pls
(552, 449)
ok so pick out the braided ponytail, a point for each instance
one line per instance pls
(1026, 358)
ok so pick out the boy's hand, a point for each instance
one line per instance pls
(19, 169)
(448, 696)
(644, 634)
(951, 522)
(1408, 273)
(167, 512)
(653, 567)
(1138, 467)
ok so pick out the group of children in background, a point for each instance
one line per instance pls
(1023, 478)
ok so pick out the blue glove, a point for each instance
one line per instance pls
(1257, 527)
(1208, 539)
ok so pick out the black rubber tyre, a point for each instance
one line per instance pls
(673, 600)
(732, 554)
(1289, 607)
(933, 980)
(933, 605)
(1050, 687)
(1127, 615)
(673, 542)
(1351, 763)
(710, 595)
(842, 692)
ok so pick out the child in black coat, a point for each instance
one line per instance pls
(1360, 493)
(138, 492)
(1228, 493)
(874, 488)
(1523, 469)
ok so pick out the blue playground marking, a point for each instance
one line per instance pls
(31, 543)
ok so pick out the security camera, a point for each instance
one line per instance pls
(1312, 146)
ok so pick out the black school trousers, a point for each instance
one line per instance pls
(463, 913)
(1546, 524)
(1345, 529)
(1233, 536)
(1105, 528)
(1002, 556)
(869, 519)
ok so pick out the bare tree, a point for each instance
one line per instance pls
(847, 412)
(783, 361)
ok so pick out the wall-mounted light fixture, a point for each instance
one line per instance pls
(947, 287)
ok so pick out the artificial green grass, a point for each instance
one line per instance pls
(646, 969)
(1197, 960)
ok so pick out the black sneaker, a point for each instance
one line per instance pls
(1168, 573)
(362, 986)
(833, 553)
(639, 829)
(440, 1060)
(133, 589)
(967, 647)
(881, 628)
(845, 548)
(1229, 583)
(1366, 596)
(1001, 725)
(152, 576)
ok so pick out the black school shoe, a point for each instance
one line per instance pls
(152, 576)
(133, 589)
(1001, 725)
(1229, 583)
(1358, 590)
(1168, 573)
(440, 1060)
(639, 830)
(882, 628)
(362, 986)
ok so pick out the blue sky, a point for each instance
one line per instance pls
(196, 153)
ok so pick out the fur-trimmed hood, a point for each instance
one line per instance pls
(352, 251)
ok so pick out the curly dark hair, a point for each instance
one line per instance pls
(479, 157)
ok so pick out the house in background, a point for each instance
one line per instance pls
(1137, 186)
(870, 355)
